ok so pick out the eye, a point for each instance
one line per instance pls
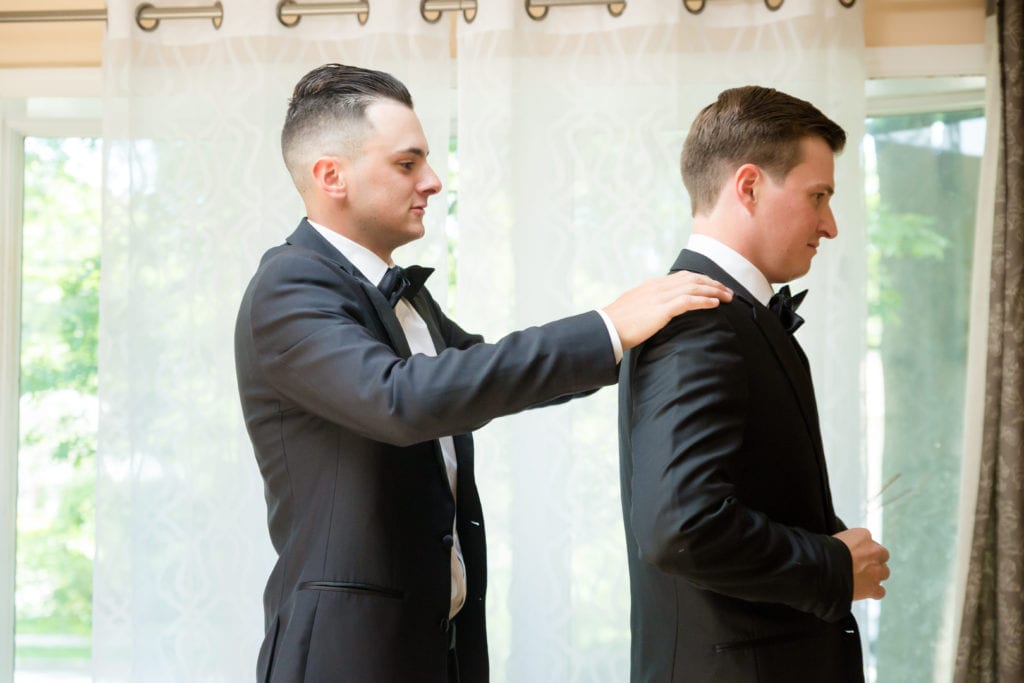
(407, 165)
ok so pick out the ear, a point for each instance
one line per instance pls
(329, 177)
(746, 184)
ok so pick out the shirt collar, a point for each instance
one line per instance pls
(729, 260)
(368, 263)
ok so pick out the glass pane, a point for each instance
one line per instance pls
(58, 410)
(922, 182)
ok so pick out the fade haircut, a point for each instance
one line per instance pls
(327, 115)
(749, 125)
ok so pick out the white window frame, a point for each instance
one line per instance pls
(76, 115)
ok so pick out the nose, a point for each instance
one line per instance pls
(828, 227)
(429, 184)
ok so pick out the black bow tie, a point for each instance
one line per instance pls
(784, 305)
(401, 282)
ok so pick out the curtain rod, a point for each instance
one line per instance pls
(538, 9)
(431, 10)
(54, 15)
(697, 6)
(148, 17)
(289, 13)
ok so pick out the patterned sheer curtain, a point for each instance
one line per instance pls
(569, 132)
(195, 191)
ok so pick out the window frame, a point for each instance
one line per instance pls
(78, 115)
(968, 87)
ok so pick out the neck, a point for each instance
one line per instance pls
(383, 254)
(334, 224)
(723, 232)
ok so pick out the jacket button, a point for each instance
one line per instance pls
(447, 541)
(444, 625)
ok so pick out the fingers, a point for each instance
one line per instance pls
(685, 291)
(869, 559)
(687, 284)
(877, 573)
(697, 300)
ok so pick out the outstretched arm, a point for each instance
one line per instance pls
(306, 330)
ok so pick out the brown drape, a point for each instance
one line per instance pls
(991, 646)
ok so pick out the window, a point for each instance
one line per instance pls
(922, 168)
(57, 406)
(50, 226)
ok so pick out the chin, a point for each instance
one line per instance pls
(800, 272)
(413, 235)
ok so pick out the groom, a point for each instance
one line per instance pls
(740, 569)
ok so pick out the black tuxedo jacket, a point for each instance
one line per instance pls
(344, 424)
(734, 574)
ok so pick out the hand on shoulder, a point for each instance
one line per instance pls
(640, 312)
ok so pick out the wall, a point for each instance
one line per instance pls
(63, 44)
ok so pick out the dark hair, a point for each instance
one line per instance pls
(754, 125)
(328, 106)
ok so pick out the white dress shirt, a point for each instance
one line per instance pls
(729, 260)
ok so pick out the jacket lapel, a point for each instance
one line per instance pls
(386, 315)
(791, 359)
(307, 237)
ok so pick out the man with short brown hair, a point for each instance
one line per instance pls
(740, 569)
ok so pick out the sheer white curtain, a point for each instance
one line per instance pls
(569, 132)
(195, 192)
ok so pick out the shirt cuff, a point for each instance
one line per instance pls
(616, 342)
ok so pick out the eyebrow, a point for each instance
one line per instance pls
(414, 151)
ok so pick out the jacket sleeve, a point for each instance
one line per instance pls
(688, 413)
(308, 328)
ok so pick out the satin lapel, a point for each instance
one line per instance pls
(388, 319)
(798, 372)
(793, 363)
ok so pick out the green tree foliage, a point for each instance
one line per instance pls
(60, 314)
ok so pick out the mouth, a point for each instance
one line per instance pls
(419, 210)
